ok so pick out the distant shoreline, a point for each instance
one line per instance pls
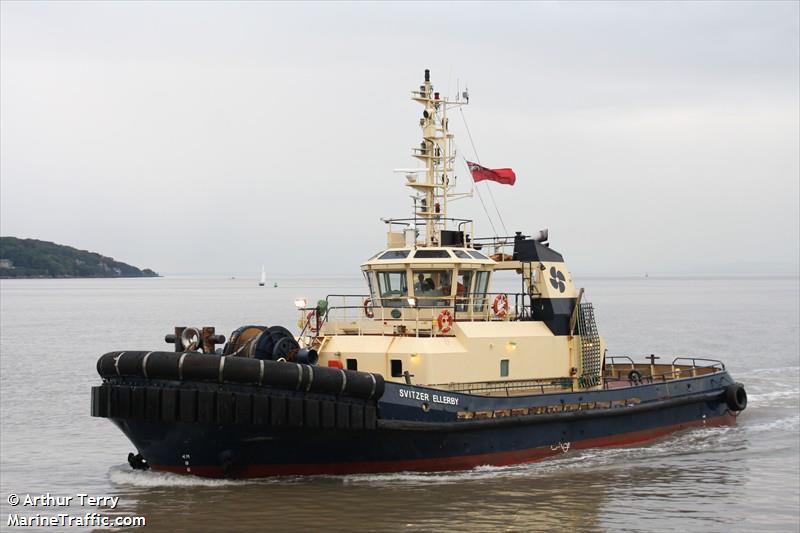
(35, 259)
(4, 278)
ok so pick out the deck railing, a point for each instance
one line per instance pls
(609, 381)
(651, 372)
(414, 316)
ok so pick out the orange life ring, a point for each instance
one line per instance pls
(500, 305)
(445, 321)
(309, 324)
(368, 308)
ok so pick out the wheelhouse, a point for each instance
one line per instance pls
(429, 278)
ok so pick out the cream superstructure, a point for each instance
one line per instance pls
(430, 316)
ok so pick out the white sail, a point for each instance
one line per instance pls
(263, 279)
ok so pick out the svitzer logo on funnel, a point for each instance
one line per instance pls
(557, 279)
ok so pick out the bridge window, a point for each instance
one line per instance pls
(432, 254)
(477, 255)
(463, 289)
(481, 286)
(462, 254)
(432, 287)
(373, 294)
(393, 288)
(394, 254)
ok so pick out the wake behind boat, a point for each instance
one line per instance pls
(429, 370)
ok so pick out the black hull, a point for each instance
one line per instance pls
(240, 434)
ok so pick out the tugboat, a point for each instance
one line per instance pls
(427, 371)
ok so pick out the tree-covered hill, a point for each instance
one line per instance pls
(31, 258)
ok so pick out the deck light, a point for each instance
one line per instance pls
(300, 303)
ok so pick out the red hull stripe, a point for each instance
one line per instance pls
(462, 462)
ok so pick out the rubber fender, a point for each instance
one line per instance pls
(356, 416)
(277, 411)
(120, 404)
(342, 415)
(120, 364)
(163, 365)
(370, 417)
(152, 403)
(200, 367)
(635, 376)
(206, 403)
(285, 375)
(138, 402)
(192, 366)
(188, 405)
(261, 409)
(100, 399)
(311, 413)
(736, 397)
(226, 409)
(169, 405)
(295, 412)
(242, 370)
(244, 408)
(105, 365)
(327, 415)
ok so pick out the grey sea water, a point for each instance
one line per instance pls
(741, 478)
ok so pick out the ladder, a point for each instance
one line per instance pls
(591, 358)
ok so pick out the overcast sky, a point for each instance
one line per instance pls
(214, 138)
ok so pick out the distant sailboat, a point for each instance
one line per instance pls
(263, 279)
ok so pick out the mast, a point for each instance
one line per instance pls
(436, 151)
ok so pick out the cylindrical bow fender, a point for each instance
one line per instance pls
(736, 397)
(191, 366)
(164, 365)
(121, 364)
(242, 370)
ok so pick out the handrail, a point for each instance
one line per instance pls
(422, 222)
(613, 357)
(695, 359)
(715, 365)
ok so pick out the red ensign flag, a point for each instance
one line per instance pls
(505, 176)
